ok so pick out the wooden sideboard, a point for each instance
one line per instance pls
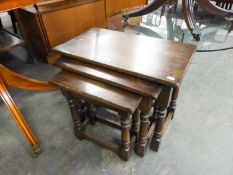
(56, 22)
(53, 22)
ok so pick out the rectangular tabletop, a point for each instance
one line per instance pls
(144, 57)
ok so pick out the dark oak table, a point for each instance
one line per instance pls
(154, 60)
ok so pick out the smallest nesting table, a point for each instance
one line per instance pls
(77, 88)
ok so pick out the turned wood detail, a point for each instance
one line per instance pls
(155, 112)
(157, 137)
(125, 135)
(91, 112)
(145, 107)
(161, 106)
(77, 89)
(91, 72)
(9, 78)
(135, 123)
(75, 109)
(172, 106)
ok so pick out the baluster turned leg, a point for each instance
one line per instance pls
(142, 143)
(125, 136)
(162, 106)
(157, 137)
(155, 112)
(91, 113)
(172, 106)
(135, 123)
(75, 109)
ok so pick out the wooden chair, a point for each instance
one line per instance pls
(154, 5)
(188, 10)
(225, 4)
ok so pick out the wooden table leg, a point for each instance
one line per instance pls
(155, 112)
(75, 109)
(12, 107)
(162, 105)
(125, 136)
(142, 143)
(172, 106)
(91, 112)
(135, 123)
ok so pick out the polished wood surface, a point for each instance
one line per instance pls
(6, 5)
(150, 92)
(9, 78)
(152, 59)
(8, 41)
(101, 93)
(55, 5)
(17, 116)
(57, 22)
(100, 49)
(77, 88)
(30, 27)
(123, 81)
(77, 20)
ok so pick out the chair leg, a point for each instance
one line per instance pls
(12, 107)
